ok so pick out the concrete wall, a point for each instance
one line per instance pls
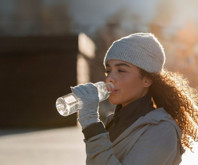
(35, 71)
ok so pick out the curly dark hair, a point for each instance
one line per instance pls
(172, 91)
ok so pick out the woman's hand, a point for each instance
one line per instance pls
(88, 113)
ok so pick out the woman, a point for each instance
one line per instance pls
(155, 113)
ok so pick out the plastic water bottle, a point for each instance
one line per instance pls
(70, 103)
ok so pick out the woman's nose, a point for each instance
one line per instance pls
(110, 78)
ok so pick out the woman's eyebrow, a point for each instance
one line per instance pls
(119, 64)
(122, 64)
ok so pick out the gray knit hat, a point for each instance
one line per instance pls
(140, 49)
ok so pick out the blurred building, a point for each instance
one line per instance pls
(46, 17)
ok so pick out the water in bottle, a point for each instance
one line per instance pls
(69, 104)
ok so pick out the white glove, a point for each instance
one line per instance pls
(88, 94)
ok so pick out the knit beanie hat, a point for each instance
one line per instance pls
(140, 49)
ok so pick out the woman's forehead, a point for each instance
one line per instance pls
(116, 62)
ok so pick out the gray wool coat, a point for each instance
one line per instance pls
(154, 139)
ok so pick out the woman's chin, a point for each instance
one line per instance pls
(114, 101)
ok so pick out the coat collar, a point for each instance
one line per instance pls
(154, 117)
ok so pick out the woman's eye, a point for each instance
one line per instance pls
(107, 72)
(121, 70)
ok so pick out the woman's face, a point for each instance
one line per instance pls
(129, 85)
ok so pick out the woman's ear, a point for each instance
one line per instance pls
(147, 82)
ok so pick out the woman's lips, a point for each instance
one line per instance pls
(114, 91)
